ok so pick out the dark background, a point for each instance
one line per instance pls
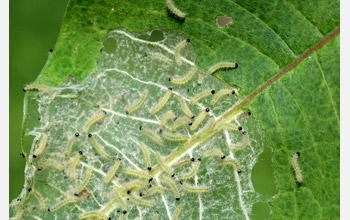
(34, 28)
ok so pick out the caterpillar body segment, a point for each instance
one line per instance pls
(120, 200)
(165, 117)
(162, 101)
(185, 108)
(199, 119)
(186, 78)
(296, 168)
(122, 217)
(242, 144)
(142, 201)
(40, 199)
(37, 87)
(178, 49)
(70, 144)
(138, 103)
(213, 152)
(110, 206)
(191, 172)
(174, 136)
(92, 121)
(155, 216)
(159, 56)
(175, 11)
(201, 95)
(97, 147)
(177, 213)
(111, 172)
(62, 204)
(41, 146)
(85, 182)
(73, 165)
(154, 190)
(233, 163)
(133, 184)
(180, 122)
(168, 181)
(182, 163)
(200, 79)
(162, 164)
(146, 155)
(223, 65)
(228, 126)
(19, 213)
(93, 214)
(153, 135)
(137, 173)
(54, 164)
(207, 125)
(195, 189)
(220, 94)
(244, 114)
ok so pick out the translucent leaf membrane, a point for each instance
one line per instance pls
(124, 74)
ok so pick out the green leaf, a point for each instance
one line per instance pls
(287, 76)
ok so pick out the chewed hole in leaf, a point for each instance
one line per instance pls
(223, 21)
(122, 136)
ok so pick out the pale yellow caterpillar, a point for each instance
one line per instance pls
(162, 164)
(158, 56)
(191, 172)
(40, 199)
(85, 182)
(200, 79)
(195, 189)
(92, 121)
(199, 119)
(177, 212)
(136, 183)
(138, 173)
(242, 144)
(183, 163)
(153, 135)
(52, 163)
(37, 87)
(220, 94)
(93, 214)
(62, 203)
(207, 125)
(162, 101)
(70, 145)
(244, 114)
(185, 78)
(73, 166)
(232, 162)
(213, 152)
(178, 49)
(42, 145)
(142, 201)
(172, 186)
(165, 117)
(120, 200)
(185, 108)
(19, 213)
(97, 147)
(296, 168)
(154, 190)
(175, 11)
(155, 216)
(138, 103)
(223, 65)
(111, 172)
(174, 136)
(146, 155)
(228, 126)
(180, 122)
(201, 95)
(111, 205)
(122, 217)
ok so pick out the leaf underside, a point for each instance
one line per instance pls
(299, 112)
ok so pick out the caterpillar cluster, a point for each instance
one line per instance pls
(159, 174)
